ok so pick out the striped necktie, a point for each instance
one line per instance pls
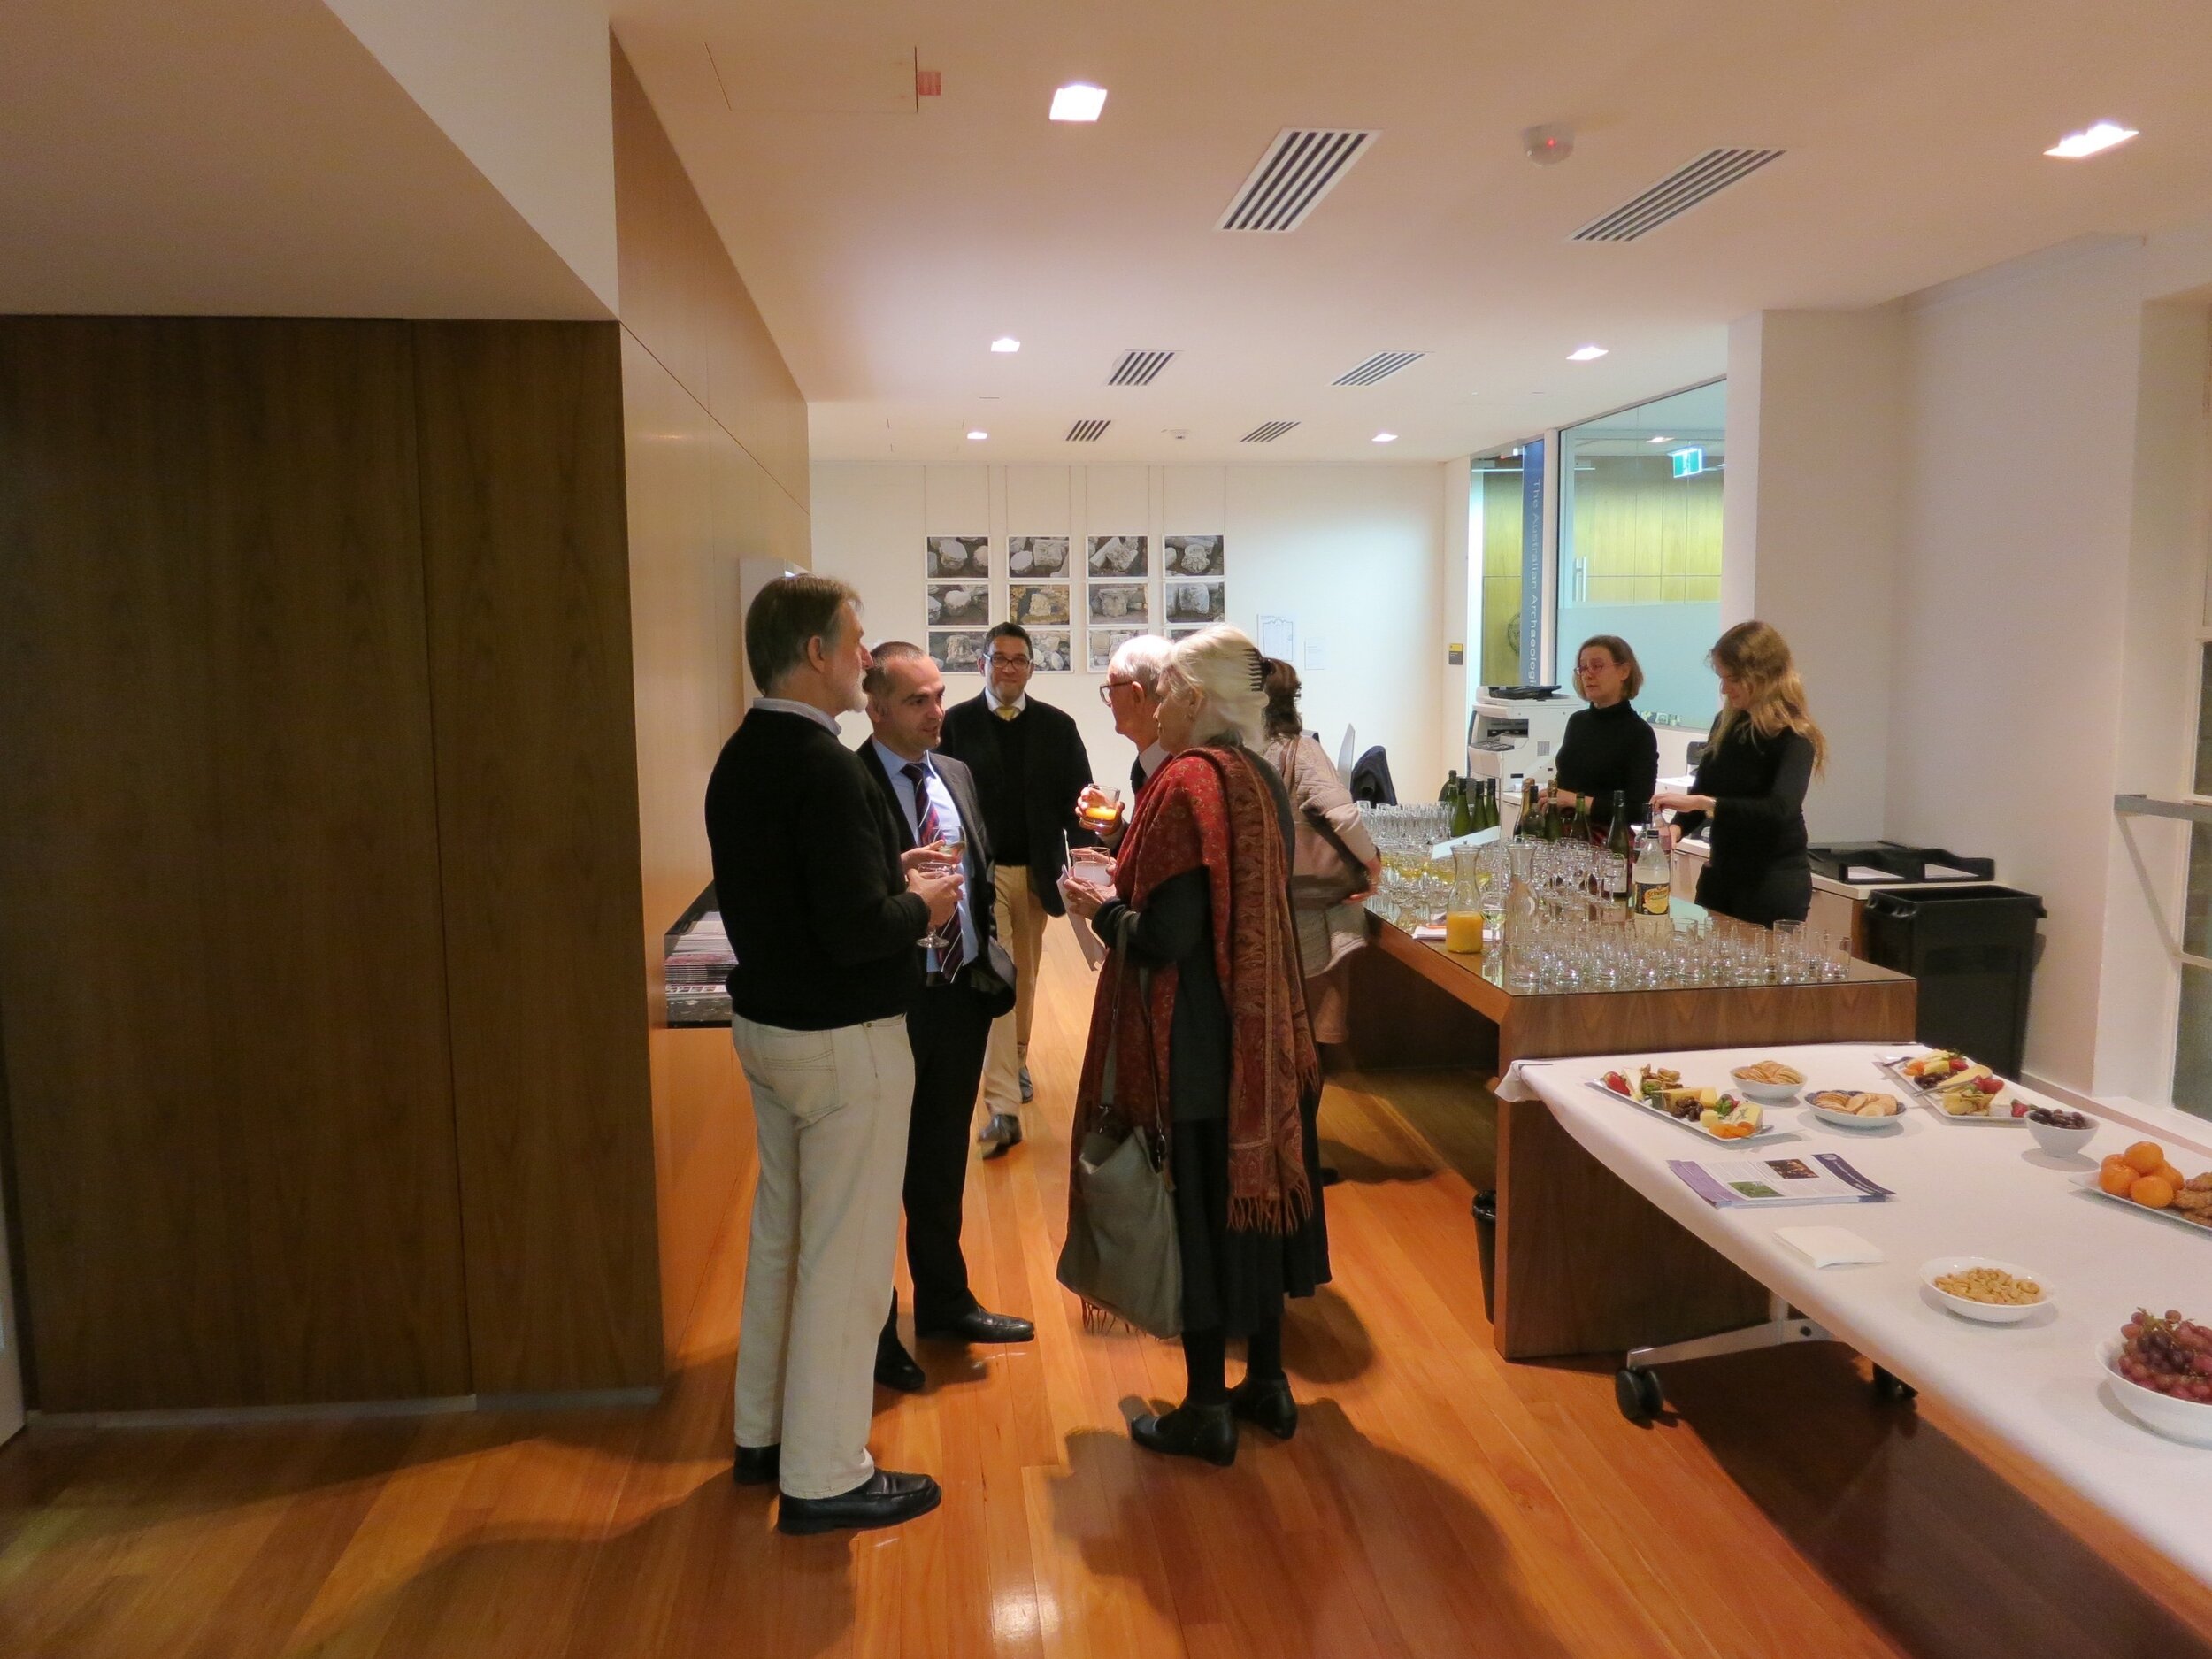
(949, 951)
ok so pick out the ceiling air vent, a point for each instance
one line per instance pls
(1382, 366)
(1087, 431)
(1677, 194)
(1267, 432)
(1140, 368)
(1301, 167)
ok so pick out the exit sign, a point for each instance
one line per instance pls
(1687, 463)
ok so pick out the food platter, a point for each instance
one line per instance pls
(2088, 1184)
(1998, 1116)
(1766, 1131)
(1848, 1120)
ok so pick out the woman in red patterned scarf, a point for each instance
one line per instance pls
(1213, 1048)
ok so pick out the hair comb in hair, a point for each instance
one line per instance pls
(1259, 669)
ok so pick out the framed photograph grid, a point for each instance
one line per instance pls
(1130, 584)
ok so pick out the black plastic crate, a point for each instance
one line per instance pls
(1907, 864)
(1972, 949)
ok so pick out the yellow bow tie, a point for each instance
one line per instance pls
(1007, 711)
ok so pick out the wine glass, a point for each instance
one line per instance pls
(953, 839)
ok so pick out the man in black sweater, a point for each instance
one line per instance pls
(969, 981)
(1030, 767)
(822, 916)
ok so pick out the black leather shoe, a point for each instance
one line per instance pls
(1207, 1432)
(977, 1326)
(1001, 1135)
(895, 1368)
(885, 1499)
(756, 1465)
(1029, 1089)
(1266, 1400)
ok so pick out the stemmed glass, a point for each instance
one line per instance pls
(953, 838)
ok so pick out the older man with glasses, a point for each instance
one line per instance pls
(1030, 769)
(1131, 693)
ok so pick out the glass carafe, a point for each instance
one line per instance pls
(1517, 925)
(1462, 916)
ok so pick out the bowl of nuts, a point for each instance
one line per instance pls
(1978, 1287)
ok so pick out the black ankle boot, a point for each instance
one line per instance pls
(1189, 1431)
(1266, 1400)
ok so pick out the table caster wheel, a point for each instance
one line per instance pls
(1637, 1391)
(1890, 1388)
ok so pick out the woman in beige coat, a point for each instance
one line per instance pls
(1334, 864)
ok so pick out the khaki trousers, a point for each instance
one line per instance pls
(830, 1110)
(1021, 929)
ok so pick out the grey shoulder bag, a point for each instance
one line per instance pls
(1121, 1254)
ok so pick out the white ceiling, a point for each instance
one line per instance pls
(244, 158)
(888, 246)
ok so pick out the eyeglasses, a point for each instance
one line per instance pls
(1106, 692)
(1009, 662)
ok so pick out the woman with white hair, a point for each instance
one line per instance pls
(1212, 1051)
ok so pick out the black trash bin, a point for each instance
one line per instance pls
(1972, 948)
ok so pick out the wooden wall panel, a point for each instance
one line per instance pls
(220, 960)
(686, 301)
(716, 431)
(684, 624)
(523, 543)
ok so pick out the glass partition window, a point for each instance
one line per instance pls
(1505, 532)
(1639, 494)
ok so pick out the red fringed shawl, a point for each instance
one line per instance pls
(1211, 807)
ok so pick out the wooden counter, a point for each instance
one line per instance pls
(1584, 1265)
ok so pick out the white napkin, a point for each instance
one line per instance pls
(1829, 1246)
(1428, 930)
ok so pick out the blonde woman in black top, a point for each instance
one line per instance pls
(1750, 784)
(1607, 746)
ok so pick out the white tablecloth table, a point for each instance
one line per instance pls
(1963, 1189)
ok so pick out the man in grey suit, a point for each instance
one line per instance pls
(968, 982)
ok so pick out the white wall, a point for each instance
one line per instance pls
(521, 87)
(1815, 464)
(2147, 858)
(2010, 643)
(2005, 638)
(1353, 554)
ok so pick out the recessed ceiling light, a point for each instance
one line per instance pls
(1585, 353)
(977, 436)
(1078, 103)
(1006, 342)
(1385, 437)
(2103, 135)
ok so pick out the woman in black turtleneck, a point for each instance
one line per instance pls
(1609, 746)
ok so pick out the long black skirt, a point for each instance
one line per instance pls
(1235, 1282)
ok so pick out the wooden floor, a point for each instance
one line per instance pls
(1436, 1500)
